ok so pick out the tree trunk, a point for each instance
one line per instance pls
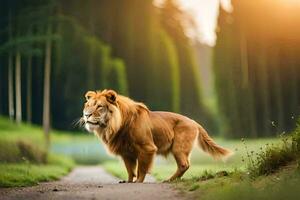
(18, 89)
(11, 108)
(46, 104)
(29, 90)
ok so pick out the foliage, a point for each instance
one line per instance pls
(283, 186)
(20, 151)
(273, 157)
(21, 143)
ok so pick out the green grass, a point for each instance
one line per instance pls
(273, 157)
(199, 157)
(238, 185)
(33, 133)
(16, 175)
(24, 160)
(27, 174)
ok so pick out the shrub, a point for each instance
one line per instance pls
(9, 151)
(20, 151)
(272, 157)
(32, 153)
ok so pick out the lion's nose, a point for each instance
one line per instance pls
(87, 115)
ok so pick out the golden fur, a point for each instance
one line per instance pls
(132, 131)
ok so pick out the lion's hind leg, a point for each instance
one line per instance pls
(183, 165)
(181, 149)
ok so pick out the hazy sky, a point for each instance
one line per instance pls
(205, 13)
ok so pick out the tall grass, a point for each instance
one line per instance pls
(274, 156)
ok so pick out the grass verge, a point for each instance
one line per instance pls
(24, 160)
(28, 174)
(273, 157)
(283, 184)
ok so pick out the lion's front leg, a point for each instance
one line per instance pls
(130, 163)
(145, 159)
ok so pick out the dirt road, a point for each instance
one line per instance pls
(92, 183)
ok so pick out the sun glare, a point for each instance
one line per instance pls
(290, 2)
(205, 13)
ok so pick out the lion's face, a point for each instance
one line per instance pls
(101, 111)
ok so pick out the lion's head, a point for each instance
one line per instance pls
(101, 112)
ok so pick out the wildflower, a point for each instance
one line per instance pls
(273, 123)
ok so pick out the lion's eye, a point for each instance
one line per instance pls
(99, 106)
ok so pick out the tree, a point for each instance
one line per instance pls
(47, 75)
(11, 109)
(18, 88)
(29, 89)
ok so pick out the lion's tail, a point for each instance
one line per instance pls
(208, 145)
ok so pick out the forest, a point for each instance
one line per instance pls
(52, 52)
(142, 55)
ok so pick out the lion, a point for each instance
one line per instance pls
(136, 134)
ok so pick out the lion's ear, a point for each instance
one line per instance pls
(111, 96)
(89, 94)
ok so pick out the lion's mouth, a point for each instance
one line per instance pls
(102, 125)
(93, 123)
